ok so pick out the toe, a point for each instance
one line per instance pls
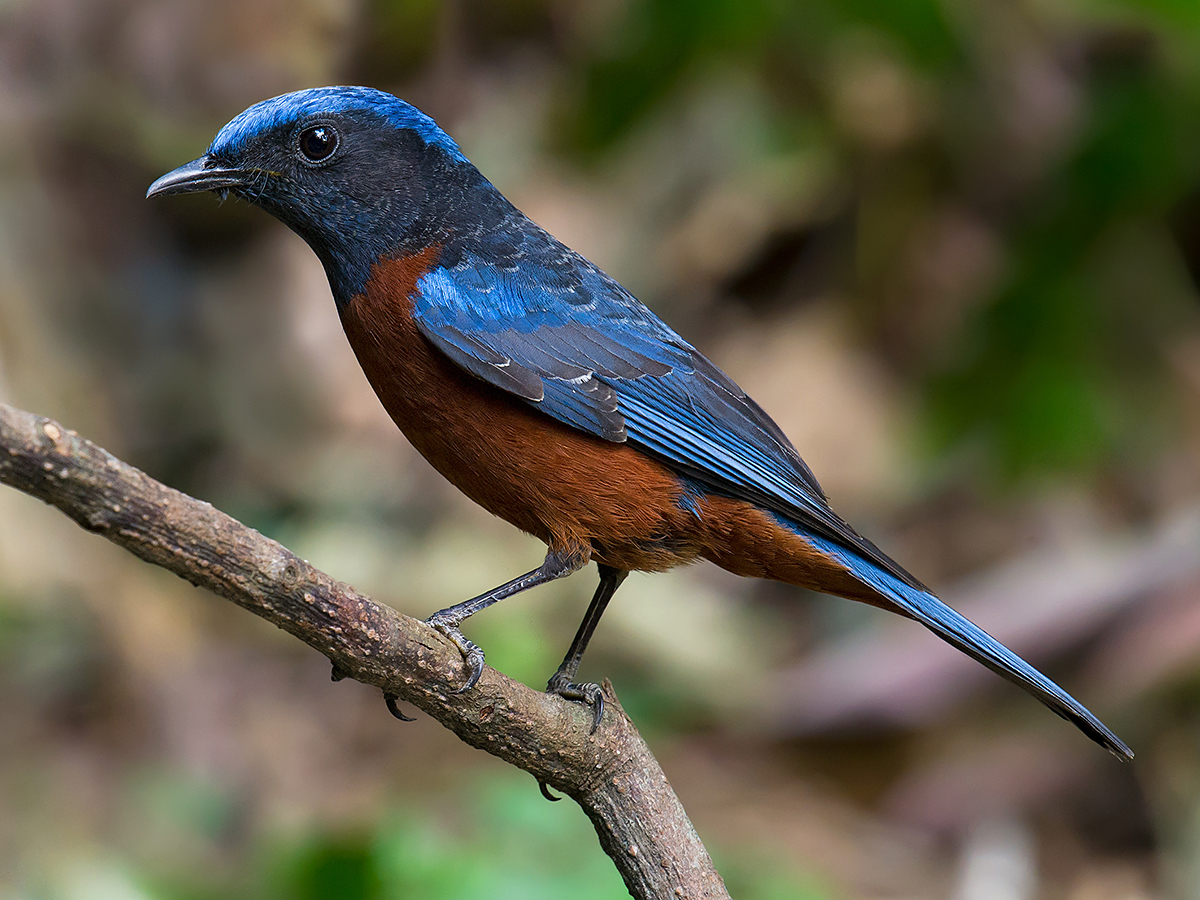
(394, 709)
(472, 654)
(597, 701)
(591, 694)
(474, 660)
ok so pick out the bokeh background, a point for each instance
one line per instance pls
(951, 245)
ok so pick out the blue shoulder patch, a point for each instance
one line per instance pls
(298, 105)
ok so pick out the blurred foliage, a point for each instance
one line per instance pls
(659, 43)
(1050, 370)
(515, 847)
(946, 243)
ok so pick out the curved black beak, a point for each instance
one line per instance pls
(199, 175)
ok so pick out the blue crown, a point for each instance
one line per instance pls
(298, 105)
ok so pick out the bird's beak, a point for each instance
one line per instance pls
(201, 174)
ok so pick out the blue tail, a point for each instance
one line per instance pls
(974, 641)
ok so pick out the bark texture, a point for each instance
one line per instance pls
(612, 775)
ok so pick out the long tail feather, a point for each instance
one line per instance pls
(975, 642)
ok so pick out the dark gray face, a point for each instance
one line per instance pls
(355, 186)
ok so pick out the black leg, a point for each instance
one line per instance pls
(562, 682)
(556, 565)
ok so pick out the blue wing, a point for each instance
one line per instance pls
(536, 319)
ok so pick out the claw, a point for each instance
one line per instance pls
(474, 662)
(597, 710)
(472, 653)
(545, 789)
(390, 700)
(588, 693)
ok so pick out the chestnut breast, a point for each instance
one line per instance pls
(568, 488)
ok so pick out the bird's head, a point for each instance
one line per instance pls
(359, 174)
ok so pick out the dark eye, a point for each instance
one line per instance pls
(318, 143)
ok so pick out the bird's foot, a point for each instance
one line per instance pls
(560, 683)
(472, 653)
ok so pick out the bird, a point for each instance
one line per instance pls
(543, 389)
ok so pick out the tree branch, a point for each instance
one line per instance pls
(640, 822)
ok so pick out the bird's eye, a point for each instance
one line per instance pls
(318, 143)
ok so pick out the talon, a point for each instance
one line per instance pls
(545, 789)
(598, 710)
(474, 662)
(390, 700)
(589, 693)
(472, 654)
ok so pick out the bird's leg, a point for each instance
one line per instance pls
(562, 682)
(557, 564)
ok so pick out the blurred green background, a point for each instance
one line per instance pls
(952, 247)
